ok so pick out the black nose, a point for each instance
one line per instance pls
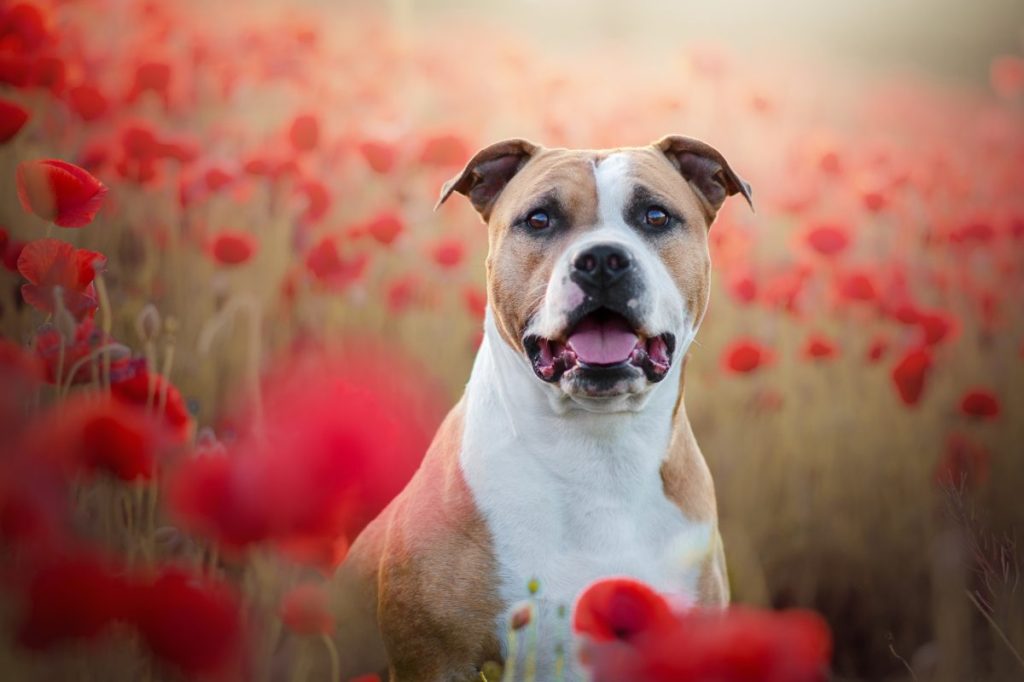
(600, 266)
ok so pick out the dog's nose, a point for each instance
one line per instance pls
(600, 266)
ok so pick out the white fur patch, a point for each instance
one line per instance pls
(570, 497)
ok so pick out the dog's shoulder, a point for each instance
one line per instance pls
(437, 600)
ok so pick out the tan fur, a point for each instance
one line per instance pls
(428, 563)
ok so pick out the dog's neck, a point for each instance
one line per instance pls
(509, 410)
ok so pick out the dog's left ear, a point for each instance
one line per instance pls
(705, 169)
(487, 173)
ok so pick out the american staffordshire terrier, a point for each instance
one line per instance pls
(570, 457)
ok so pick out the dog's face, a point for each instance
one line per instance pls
(598, 268)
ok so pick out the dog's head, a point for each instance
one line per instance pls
(598, 266)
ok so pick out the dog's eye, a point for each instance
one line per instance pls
(538, 220)
(656, 217)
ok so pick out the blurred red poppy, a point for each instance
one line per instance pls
(818, 347)
(619, 609)
(475, 301)
(52, 264)
(385, 227)
(744, 356)
(71, 597)
(911, 372)
(630, 634)
(345, 436)
(304, 133)
(1007, 76)
(980, 403)
(326, 263)
(304, 610)
(936, 326)
(379, 156)
(24, 27)
(88, 102)
(444, 150)
(856, 286)
(233, 247)
(318, 201)
(115, 439)
(13, 117)
(134, 384)
(963, 463)
(828, 239)
(151, 76)
(448, 253)
(190, 622)
(402, 292)
(743, 288)
(877, 348)
(59, 192)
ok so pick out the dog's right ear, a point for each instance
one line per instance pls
(487, 173)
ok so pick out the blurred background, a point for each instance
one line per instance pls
(858, 384)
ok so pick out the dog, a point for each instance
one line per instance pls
(570, 456)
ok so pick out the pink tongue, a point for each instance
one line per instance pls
(607, 342)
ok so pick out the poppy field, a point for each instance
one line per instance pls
(222, 267)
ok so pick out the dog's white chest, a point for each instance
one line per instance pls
(572, 498)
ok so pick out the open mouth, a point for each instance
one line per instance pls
(601, 342)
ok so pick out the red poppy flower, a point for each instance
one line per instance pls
(1007, 76)
(444, 150)
(346, 435)
(379, 156)
(910, 373)
(217, 178)
(737, 645)
(233, 247)
(23, 27)
(448, 253)
(59, 192)
(743, 288)
(304, 133)
(402, 292)
(385, 227)
(326, 263)
(151, 76)
(879, 345)
(115, 439)
(744, 356)
(619, 609)
(49, 73)
(856, 286)
(190, 622)
(475, 301)
(980, 403)
(937, 326)
(11, 250)
(15, 69)
(318, 201)
(134, 384)
(51, 263)
(88, 102)
(13, 117)
(69, 598)
(963, 463)
(828, 239)
(818, 347)
(304, 610)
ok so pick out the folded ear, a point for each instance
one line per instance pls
(705, 169)
(487, 173)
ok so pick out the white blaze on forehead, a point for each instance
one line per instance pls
(613, 187)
